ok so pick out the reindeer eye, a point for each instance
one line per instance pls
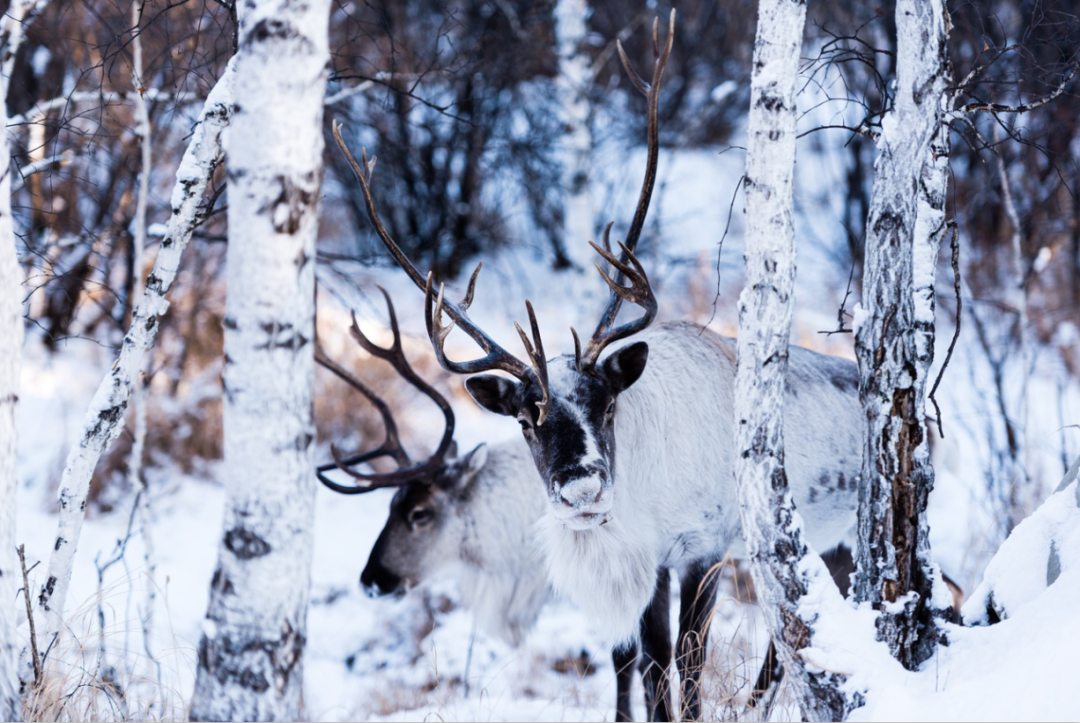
(610, 408)
(525, 425)
(420, 516)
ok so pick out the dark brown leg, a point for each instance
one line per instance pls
(656, 651)
(625, 660)
(697, 598)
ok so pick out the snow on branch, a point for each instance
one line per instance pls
(152, 95)
(104, 418)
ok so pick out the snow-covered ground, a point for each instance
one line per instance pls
(421, 658)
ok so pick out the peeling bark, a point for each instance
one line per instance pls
(895, 338)
(249, 660)
(103, 420)
(780, 561)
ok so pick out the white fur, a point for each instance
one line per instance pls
(674, 483)
(495, 560)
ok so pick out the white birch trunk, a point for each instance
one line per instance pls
(249, 658)
(18, 17)
(104, 418)
(11, 340)
(572, 85)
(138, 392)
(782, 566)
(895, 339)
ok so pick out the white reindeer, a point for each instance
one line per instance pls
(473, 519)
(635, 449)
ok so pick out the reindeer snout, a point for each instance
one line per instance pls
(582, 492)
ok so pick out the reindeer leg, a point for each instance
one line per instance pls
(656, 651)
(625, 660)
(697, 597)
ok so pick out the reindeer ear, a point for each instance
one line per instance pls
(476, 459)
(493, 393)
(465, 470)
(624, 366)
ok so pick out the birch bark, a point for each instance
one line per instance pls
(572, 85)
(783, 567)
(895, 335)
(105, 415)
(11, 340)
(249, 657)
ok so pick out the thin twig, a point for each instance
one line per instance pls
(720, 246)
(30, 617)
(955, 245)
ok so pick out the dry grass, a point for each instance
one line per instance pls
(95, 674)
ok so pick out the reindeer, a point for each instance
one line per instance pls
(635, 446)
(471, 518)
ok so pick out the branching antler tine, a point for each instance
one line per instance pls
(391, 442)
(495, 356)
(385, 479)
(618, 264)
(396, 343)
(344, 466)
(628, 267)
(577, 348)
(636, 79)
(539, 363)
(663, 57)
(369, 202)
(467, 301)
(394, 351)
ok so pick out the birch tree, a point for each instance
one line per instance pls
(19, 16)
(249, 657)
(784, 569)
(895, 335)
(104, 417)
(572, 85)
(11, 340)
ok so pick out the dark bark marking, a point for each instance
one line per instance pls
(297, 197)
(108, 418)
(221, 583)
(47, 592)
(226, 659)
(245, 544)
(771, 102)
(270, 28)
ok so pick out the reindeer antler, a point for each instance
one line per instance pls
(639, 292)
(391, 446)
(495, 357)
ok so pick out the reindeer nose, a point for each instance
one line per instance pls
(582, 491)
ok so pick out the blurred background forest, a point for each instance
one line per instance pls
(460, 102)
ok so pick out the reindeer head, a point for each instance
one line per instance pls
(569, 420)
(421, 534)
(567, 415)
